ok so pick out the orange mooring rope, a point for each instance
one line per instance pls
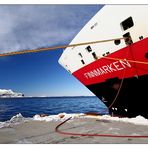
(55, 47)
(132, 61)
(99, 135)
(109, 58)
(103, 135)
(72, 45)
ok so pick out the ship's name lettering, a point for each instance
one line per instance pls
(113, 67)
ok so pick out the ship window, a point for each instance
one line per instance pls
(127, 38)
(128, 23)
(94, 55)
(107, 53)
(83, 62)
(80, 55)
(140, 37)
(88, 48)
(103, 54)
(117, 42)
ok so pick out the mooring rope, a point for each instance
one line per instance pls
(95, 135)
(55, 47)
(71, 45)
(110, 58)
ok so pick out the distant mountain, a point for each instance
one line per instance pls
(9, 94)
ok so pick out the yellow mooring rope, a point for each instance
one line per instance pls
(132, 61)
(55, 47)
(72, 45)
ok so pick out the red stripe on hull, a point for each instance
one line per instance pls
(105, 68)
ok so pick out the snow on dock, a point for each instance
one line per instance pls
(41, 129)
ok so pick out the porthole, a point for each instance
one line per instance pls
(117, 42)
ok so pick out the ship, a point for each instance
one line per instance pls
(115, 69)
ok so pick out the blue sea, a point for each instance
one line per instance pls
(29, 107)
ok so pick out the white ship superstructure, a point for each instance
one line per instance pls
(106, 24)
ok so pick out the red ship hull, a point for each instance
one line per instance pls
(127, 67)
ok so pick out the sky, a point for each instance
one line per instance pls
(35, 26)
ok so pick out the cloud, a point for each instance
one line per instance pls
(34, 26)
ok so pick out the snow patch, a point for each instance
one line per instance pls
(59, 117)
(17, 119)
(139, 120)
(4, 93)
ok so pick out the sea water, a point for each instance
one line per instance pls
(17, 110)
(31, 106)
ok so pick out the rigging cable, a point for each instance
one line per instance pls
(74, 45)
(71, 45)
(114, 100)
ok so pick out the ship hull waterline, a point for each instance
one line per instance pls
(127, 67)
